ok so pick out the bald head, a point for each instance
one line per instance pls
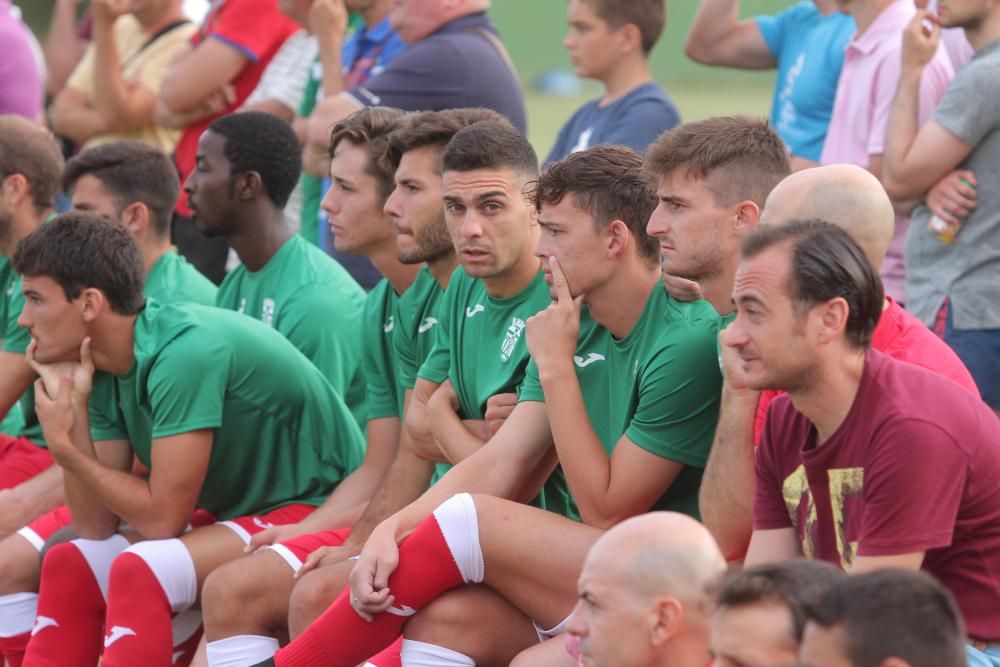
(848, 196)
(661, 553)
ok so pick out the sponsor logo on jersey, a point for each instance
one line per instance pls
(402, 611)
(583, 142)
(514, 332)
(593, 357)
(427, 325)
(267, 312)
(117, 632)
(390, 325)
(42, 622)
(243, 306)
(10, 290)
(260, 523)
(474, 310)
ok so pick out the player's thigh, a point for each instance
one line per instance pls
(259, 584)
(475, 621)
(533, 557)
(316, 591)
(20, 565)
(211, 547)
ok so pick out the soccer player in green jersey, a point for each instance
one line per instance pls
(136, 184)
(227, 415)
(247, 166)
(628, 391)
(30, 168)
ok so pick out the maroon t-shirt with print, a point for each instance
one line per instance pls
(915, 466)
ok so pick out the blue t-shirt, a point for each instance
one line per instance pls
(456, 67)
(809, 48)
(635, 120)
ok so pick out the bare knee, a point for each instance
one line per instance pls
(20, 566)
(314, 593)
(247, 596)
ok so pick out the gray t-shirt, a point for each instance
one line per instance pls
(968, 271)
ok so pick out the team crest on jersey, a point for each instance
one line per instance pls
(267, 312)
(390, 325)
(514, 332)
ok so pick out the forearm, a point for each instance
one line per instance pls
(113, 97)
(273, 107)
(346, 504)
(587, 467)
(452, 436)
(29, 500)
(406, 479)
(77, 122)
(333, 69)
(728, 487)
(904, 123)
(61, 46)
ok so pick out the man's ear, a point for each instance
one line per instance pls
(249, 186)
(616, 236)
(746, 218)
(93, 303)
(630, 38)
(135, 218)
(15, 189)
(666, 616)
(833, 316)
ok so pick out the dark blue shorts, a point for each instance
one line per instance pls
(979, 350)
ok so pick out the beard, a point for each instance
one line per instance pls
(433, 242)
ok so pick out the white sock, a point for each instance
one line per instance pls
(241, 650)
(459, 524)
(17, 613)
(420, 654)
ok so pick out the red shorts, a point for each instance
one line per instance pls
(41, 529)
(248, 526)
(20, 460)
(295, 551)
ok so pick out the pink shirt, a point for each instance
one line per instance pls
(861, 108)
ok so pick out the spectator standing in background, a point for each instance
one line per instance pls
(111, 94)
(805, 43)
(610, 41)
(21, 84)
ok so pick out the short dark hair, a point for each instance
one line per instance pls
(432, 128)
(370, 128)
(649, 16)
(796, 584)
(28, 149)
(490, 145)
(894, 613)
(131, 171)
(607, 182)
(265, 144)
(826, 263)
(742, 157)
(82, 250)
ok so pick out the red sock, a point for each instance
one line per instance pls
(138, 626)
(341, 638)
(184, 650)
(70, 619)
(12, 648)
(389, 657)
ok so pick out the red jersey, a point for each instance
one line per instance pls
(902, 336)
(255, 28)
(913, 467)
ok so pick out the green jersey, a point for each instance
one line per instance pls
(311, 300)
(416, 325)
(479, 345)
(172, 279)
(282, 435)
(658, 386)
(723, 322)
(385, 397)
(21, 421)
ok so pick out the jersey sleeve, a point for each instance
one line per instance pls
(530, 388)
(773, 28)
(679, 397)
(105, 424)
(438, 362)
(15, 338)
(769, 509)
(963, 110)
(380, 381)
(421, 77)
(249, 26)
(404, 345)
(897, 520)
(187, 387)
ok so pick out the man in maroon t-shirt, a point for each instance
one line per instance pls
(868, 462)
